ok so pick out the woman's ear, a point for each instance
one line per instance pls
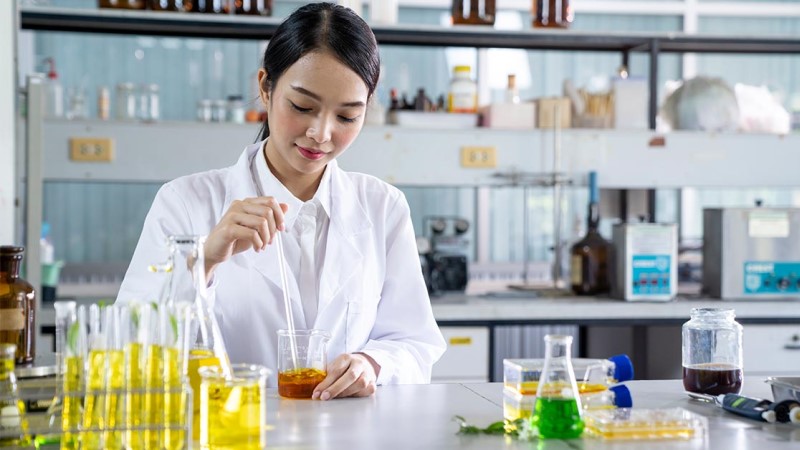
(263, 87)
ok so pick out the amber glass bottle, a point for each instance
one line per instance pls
(481, 12)
(207, 6)
(551, 14)
(253, 7)
(590, 255)
(17, 306)
(166, 5)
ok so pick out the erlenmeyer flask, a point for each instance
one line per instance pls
(14, 426)
(188, 283)
(557, 414)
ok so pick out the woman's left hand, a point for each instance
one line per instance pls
(349, 375)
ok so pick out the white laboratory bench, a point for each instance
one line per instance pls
(420, 417)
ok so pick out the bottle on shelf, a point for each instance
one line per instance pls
(18, 303)
(512, 91)
(122, 4)
(54, 92)
(209, 6)
(473, 12)
(394, 104)
(253, 7)
(552, 14)
(166, 5)
(590, 256)
(463, 94)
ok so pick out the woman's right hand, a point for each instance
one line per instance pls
(249, 223)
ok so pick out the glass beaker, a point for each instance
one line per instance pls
(712, 352)
(302, 360)
(14, 425)
(233, 409)
(557, 414)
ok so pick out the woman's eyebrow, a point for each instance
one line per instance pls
(316, 97)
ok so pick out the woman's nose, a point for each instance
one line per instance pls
(319, 131)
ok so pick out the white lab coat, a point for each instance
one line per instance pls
(372, 297)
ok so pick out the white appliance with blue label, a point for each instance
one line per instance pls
(645, 262)
(751, 253)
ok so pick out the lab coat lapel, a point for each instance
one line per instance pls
(348, 221)
(240, 185)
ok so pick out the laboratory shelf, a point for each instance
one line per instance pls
(636, 159)
(262, 28)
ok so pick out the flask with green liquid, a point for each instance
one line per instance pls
(557, 413)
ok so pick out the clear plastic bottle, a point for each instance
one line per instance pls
(126, 101)
(712, 352)
(557, 414)
(54, 92)
(463, 93)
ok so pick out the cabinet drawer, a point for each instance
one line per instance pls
(771, 349)
(466, 357)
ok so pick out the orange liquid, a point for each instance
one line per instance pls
(299, 383)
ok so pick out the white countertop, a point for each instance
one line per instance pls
(420, 417)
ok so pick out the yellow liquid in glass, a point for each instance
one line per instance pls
(94, 402)
(71, 413)
(198, 358)
(134, 397)
(14, 427)
(530, 387)
(154, 397)
(174, 402)
(234, 414)
(114, 407)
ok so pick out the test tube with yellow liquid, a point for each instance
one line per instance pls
(154, 380)
(134, 353)
(233, 409)
(73, 378)
(174, 331)
(115, 377)
(94, 402)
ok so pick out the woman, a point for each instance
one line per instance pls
(348, 237)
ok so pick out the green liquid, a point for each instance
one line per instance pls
(557, 418)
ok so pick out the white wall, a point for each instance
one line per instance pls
(8, 88)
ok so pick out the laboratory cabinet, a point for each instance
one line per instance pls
(771, 349)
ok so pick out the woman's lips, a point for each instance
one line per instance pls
(310, 154)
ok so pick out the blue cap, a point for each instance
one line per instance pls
(45, 230)
(623, 367)
(622, 396)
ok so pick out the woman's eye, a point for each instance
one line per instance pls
(299, 109)
(348, 119)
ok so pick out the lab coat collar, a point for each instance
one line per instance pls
(348, 219)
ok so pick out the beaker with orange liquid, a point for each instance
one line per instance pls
(302, 360)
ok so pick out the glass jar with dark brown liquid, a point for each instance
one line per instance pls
(473, 12)
(551, 14)
(17, 306)
(712, 352)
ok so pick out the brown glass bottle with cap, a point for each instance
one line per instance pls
(166, 5)
(122, 4)
(17, 306)
(481, 12)
(589, 256)
(552, 14)
(208, 6)
(253, 7)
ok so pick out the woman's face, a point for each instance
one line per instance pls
(315, 111)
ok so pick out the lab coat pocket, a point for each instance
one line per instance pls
(360, 320)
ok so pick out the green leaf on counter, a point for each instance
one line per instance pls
(519, 428)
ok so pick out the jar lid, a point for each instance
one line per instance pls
(11, 250)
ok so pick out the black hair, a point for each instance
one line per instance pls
(325, 27)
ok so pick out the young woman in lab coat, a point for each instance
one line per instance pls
(348, 237)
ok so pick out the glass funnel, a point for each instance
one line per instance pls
(557, 414)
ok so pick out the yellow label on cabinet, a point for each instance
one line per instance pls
(461, 340)
(91, 149)
(484, 157)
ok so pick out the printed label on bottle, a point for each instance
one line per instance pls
(12, 319)
(576, 270)
(462, 103)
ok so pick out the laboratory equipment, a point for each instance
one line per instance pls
(74, 378)
(589, 257)
(752, 408)
(233, 408)
(473, 12)
(66, 315)
(149, 104)
(645, 424)
(54, 92)
(751, 253)
(521, 406)
(302, 367)
(445, 257)
(592, 375)
(552, 14)
(14, 424)
(646, 261)
(18, 304)
(712, 352)
(557, 413)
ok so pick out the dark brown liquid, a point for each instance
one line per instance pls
(712, 379)
(299, 383)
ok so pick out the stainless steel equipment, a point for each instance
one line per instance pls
(645, 262)
(751, 253)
